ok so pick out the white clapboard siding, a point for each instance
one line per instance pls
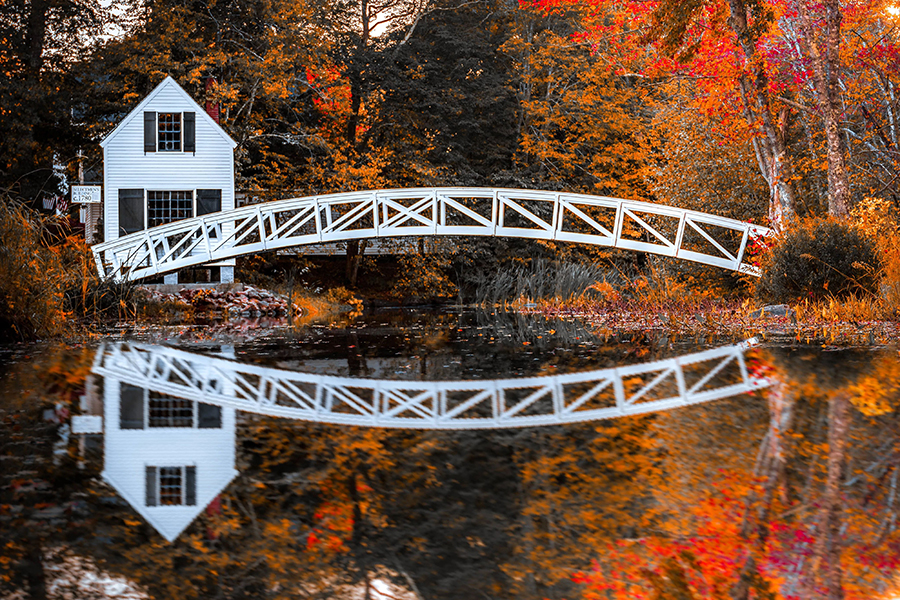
(127, 166)
(127, 453)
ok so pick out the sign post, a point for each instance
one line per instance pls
(90, 197)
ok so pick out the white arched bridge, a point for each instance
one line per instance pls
(556, 216)
(475, 404)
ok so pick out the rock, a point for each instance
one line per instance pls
(50, 512)
(774, 310)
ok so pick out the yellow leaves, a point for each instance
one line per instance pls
(425, 275)
(280, 528)
(879, 392)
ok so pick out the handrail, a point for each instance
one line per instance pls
(475, 404)
(445, 211)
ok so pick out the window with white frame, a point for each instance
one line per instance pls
(172, 132)
(168, 206)
(169, 132)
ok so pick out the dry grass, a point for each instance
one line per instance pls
(316, 307)
(878, 219)
(852, 308)
(655, 290)
(48, 283)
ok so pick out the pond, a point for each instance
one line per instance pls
(447, 454)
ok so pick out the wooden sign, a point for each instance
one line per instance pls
(85, 194)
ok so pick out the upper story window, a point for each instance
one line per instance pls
(171, 486)
(169, 131)
(166, 411)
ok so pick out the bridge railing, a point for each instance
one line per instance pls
(559, 216)
(477, 404)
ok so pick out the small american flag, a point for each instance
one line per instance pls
(62, 204)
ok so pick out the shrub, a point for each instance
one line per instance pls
(819, 258)
(48, 282)
(879, 221)
(31, 292)
(424, 276)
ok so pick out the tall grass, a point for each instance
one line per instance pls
(540, 280)
(48, 283)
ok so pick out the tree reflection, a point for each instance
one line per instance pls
(811, 517)
(789, 493)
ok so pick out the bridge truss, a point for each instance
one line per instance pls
(477, 404)
(602, 221)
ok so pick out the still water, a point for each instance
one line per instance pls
(447, 455)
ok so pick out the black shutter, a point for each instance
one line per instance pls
(149, 131)
(190, 132)
(131, 211)
(190, 486)
(208, 201)
(151, 486)
(210, 416)
(131, 407)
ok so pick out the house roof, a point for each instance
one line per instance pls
(167, 82)
(170, 521)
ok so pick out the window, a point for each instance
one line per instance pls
(171, 486)
(131, 211)
(140, 408)
(166, 207)
(169, 130)
(170, 412)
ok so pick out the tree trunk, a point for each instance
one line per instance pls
(825, 62)
(827, 550)
(356, 249)
(771, 465)
(32, 567)
(771, 146)
(34, 37)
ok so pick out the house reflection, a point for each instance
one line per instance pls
(168, 457)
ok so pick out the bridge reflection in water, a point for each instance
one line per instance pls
(168, 416)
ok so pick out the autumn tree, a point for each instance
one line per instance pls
(260, 54)
(449, 111)
(39, 41)
(580, 122)
(773, 74)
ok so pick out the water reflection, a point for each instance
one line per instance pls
(548, 400)
(168, 416)
(788, 492)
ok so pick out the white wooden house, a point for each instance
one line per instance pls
(167, 160)
(166, 456)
